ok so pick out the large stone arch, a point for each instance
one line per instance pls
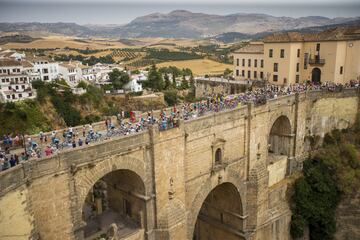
(87, 177)
(205, 189)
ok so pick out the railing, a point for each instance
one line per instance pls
(317, 61)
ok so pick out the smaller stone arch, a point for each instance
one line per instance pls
(280, 135)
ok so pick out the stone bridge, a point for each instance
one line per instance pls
(220, 176)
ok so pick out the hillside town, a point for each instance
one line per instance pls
(18, 71)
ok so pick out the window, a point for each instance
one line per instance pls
(243, 62)
(282, 53)
(14, 70)
(298, 53)
(18, 70)
(297, 78)
(23, 86)
(262, 63)
(243, 73)
(276, 67)
(341, 69)
(285, 80)
(297, 67)
(318, 47)
(218, 156)
(255, 74)
(237, 62)
(8, 96)
(249, 74)
(46, 78)
(20, 95)
(306, 60)
(249, 63)
(255, 63)
(261, 75)
(270, 53)
(237, 72)
(275, 78)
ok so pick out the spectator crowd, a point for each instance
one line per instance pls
(48, 145)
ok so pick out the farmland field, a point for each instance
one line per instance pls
(199, 66)
(62, 42)
(58, 41)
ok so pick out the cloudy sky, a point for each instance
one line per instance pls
(123, 11)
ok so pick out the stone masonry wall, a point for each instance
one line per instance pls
(178, 169)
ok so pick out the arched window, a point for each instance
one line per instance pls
(218, 156)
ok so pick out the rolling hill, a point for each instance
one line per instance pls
(183, 24)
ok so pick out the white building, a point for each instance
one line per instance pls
(14, 81)
(48, 70)
(99, 73)
(133, 86)
(141, 77)
(71, 73)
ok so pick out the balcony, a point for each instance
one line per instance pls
(316, 61)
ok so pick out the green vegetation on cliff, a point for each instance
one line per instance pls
(22, 117)
(55, 106)
(331, 173)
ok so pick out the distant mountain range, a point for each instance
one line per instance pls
(184, 24)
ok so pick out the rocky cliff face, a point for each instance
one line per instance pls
(348, 218)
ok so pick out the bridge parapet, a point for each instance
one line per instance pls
(70, 158)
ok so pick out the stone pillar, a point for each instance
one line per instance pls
(168, 152)
(150, 217)
(98, 205)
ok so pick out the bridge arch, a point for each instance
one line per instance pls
(118, 197)
(121, 184)
(279, 138)
(211, 205)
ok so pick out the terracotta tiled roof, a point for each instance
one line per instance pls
(67, 65)
(9, 63)
(334, 34)
(251, 48)
(6, 54)
(26, 64)
(33, 58)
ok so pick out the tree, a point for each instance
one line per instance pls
(174, 81)
(82, 84)
(227, 72)
(155, 80)
(191, 94)
(118, 78)
(167, 81)
(184, 83)
(171, 97)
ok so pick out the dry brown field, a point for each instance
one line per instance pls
(199, 67)
(57, 41)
